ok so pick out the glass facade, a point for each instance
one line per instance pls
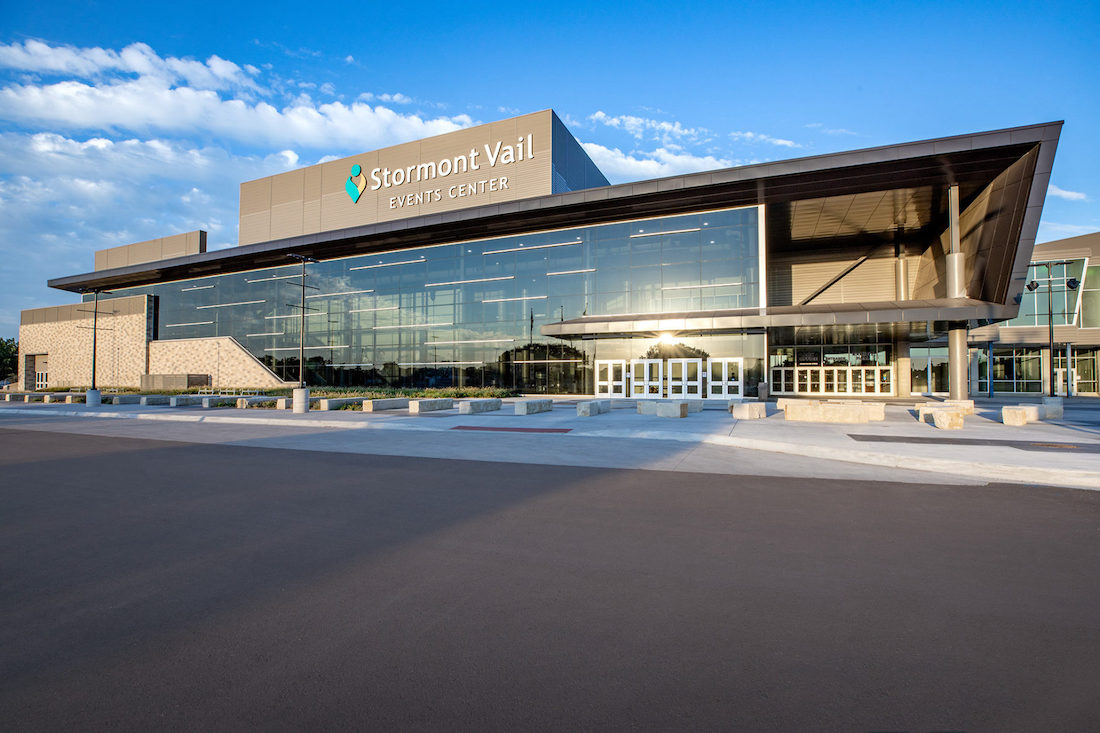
(1037, 304)
(854, 360)
(1013, 370)
(469, 313)
(1090, 298)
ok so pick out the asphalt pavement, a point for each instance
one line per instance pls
(170, 585)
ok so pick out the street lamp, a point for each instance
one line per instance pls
(92, 396)
(301, 394)
(1071, 284)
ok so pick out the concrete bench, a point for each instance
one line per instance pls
(782, 402)
(34, 397)
(1053, 408)
(185, 400)
(966, 406)
(433, 405)
(649, 407)
(1020, 414)
(155, 399)
(471, 407)
(748, 410)
(948, 418)
(826, 412)
(126, 399)
(673, 408)
(533, 407)
(924, 409)
(929, 409)
(335, 403)
(246, 402)
(588, 408)
(219, 401)
(59, 397)
(389, 403)
(876, 411)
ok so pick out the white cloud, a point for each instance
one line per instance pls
(1051, 230)
(620, 167)
(137, 58)
(829, 130)
(757, 137)
(638, 127)
(396, 98)
(1061, 193)
(349, 59)
(137, 92)
(148, 106)
(62, 198)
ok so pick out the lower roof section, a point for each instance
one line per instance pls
(894, 311)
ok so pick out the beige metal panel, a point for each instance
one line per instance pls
(311, 216)
(151, 250)
(143, 252)
(117, 257)
(806, 277)
(287, 219)
(255, 228)
(287, 187)
(255, 196)
(311, 199)
(871, 281)
(176, 245)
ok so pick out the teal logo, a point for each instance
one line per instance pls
(355, 187)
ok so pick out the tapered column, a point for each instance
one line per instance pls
(956, 260)
(957, 362)
(903, 367)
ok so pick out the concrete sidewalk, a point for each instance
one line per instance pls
(1062, 452)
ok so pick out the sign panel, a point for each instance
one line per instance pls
(501, 161)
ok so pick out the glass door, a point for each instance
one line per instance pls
(685, 378)
(725, 378)
(611, 378)
(646, 378)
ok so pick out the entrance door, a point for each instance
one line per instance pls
(646, 378)
(611, 378)
(1060, 381)
(725, 377)
(685, 378)
(782, 380)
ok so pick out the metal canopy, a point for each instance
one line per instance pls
(911, 169)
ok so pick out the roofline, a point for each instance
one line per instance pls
(552, 211)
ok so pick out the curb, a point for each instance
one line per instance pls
(987, 471)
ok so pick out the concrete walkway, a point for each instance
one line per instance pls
(1062, 452)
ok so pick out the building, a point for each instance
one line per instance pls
(499, 256)
(1019, 348)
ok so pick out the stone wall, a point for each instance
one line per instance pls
(227, 362)
(63, 334)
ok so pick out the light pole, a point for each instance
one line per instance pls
(92, 396)
(1071, 284)
(301, 394)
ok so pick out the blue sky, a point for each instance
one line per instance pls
(121, 122)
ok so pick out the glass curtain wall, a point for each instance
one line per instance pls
(1035, 308)
(1014, 370)
(469, 313)
(841, 361)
